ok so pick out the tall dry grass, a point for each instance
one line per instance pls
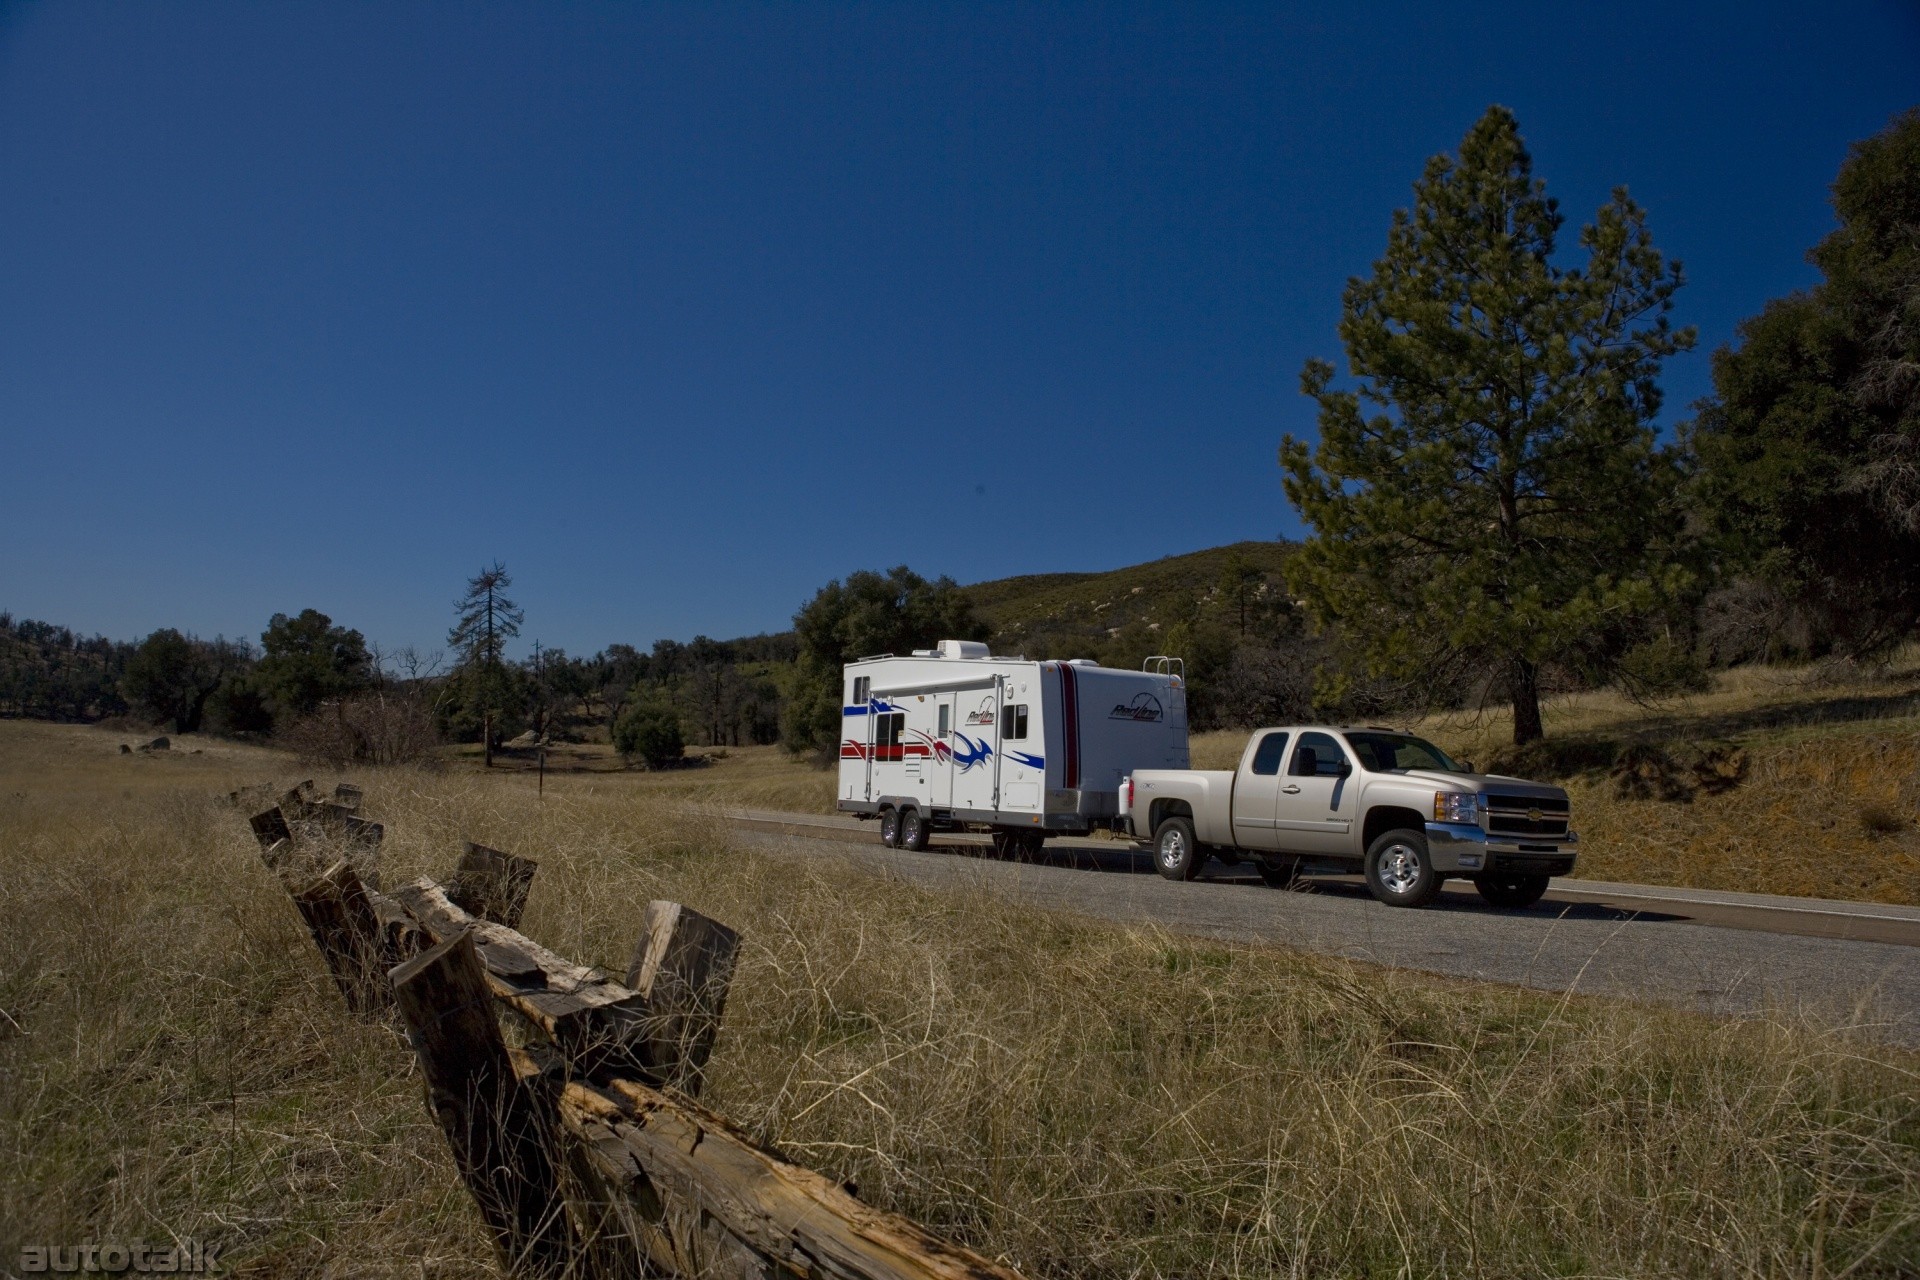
(1078, 1098)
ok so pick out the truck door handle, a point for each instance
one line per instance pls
(1291, 789)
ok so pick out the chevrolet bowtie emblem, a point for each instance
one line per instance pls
(1534, 814)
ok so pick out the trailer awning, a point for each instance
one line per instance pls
(943, 684)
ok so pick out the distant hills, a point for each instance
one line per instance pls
(1044, 614)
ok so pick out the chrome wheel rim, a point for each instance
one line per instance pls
(1399, 869)
(1173, 847)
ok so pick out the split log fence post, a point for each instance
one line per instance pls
(500, 1128)
(583, 1150)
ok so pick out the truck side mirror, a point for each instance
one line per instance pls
(1466, 766)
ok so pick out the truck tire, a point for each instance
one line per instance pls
(1176, 852)
(1278, 873)
(1512, 891)
(913, 830)
(890, 827)
(1399, 870)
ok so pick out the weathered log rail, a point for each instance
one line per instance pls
(581, 1144)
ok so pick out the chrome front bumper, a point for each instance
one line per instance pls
(1458, 849)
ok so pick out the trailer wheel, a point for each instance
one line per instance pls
(1512, 891)
(890, 827)
(1400, 872)
(913, 830)
(1176, 852)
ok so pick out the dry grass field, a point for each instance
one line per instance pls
(1076, 1098)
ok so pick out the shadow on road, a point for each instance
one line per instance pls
(1457, 896)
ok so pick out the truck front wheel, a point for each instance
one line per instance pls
(1399, 871)
(1512, 891)
(1176, 853)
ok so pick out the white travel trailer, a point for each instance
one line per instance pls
(953, 737)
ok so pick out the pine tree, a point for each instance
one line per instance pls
(1490, 495)
(486, 620)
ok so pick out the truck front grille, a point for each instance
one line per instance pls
(1527, 816)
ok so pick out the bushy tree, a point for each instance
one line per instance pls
(649, 732)
(306, 660)
(1809, 449)
(170, 676)
(895, 612)
(1489, 494)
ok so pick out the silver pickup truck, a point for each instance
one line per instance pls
(1314, 797)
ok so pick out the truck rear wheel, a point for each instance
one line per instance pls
(890, 827)
(1176, 853)
(1512, 891)
(1399, 870)
(913, 830)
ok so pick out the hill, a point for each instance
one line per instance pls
(1046, 614)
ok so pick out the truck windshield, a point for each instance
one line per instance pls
(1388, 752)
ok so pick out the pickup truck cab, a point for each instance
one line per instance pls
(1377, 800)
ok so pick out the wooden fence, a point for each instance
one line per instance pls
(582, 1145)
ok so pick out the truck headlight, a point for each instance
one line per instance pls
(1456, 806)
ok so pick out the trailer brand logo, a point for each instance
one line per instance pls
(1143, 707)
(984, 715)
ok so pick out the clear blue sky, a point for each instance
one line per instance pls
(683, 310)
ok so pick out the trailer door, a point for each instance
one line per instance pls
(940, 794)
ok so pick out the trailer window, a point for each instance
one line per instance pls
(886, 729)
(946, 719)
(1273, 749)
(1016, 725)
(862, 687)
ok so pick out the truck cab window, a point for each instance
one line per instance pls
(1317, 756)
(1273, 749)
(1016, 722)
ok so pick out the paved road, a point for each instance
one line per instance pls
(1722, 953)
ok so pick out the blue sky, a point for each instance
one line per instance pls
(681, 311)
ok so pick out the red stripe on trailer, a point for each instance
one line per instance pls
(1070, 713)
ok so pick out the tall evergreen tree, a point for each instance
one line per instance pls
(486, 620)
(1489, 495)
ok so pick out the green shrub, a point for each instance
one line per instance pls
(649, 732)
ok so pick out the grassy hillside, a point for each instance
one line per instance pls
(1051, 612)
(1079, 1099)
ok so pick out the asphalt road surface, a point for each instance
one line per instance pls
(1857, 964)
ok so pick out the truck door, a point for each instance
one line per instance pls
(1316, 804)
(1256, 795)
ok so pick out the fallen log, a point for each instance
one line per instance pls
(700, 1198)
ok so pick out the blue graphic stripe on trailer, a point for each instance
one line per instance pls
(1032, 762)
(876, 706)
